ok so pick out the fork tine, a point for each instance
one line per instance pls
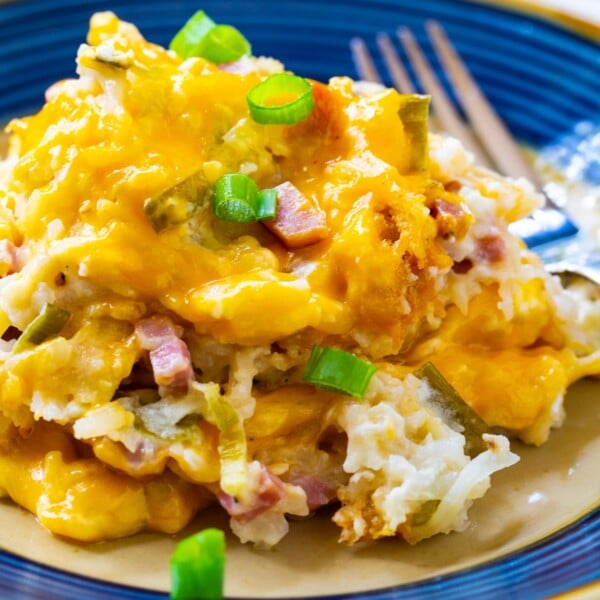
(444, 109)
(394, 65)
(363, 61)
(490, 129)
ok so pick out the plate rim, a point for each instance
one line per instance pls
(530, 9)
(589, 520)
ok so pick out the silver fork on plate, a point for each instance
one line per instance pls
(565, 250)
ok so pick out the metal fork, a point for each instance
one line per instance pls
(549, 231)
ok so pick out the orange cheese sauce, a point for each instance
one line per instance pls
(44, 473)
(90, 168)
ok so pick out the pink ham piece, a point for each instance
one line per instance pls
(169, 356)
(269, 491)
(299, 221)
(172, 364)
(451, 218)
(491, 247)
(318, 492)
(146, 459)
(155, 331)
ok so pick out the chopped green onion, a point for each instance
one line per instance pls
(232, 444)
(178, 203)
(188, 37)
(232, 438)
(281, 99)
(201, 36)
(47, 324)
(198, 565)
(453, 410)
(414, 112)
(223, 43)
(237, 198)
(424, 513)
(338, 371)
(266, 205)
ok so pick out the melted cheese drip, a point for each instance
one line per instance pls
(44, 473)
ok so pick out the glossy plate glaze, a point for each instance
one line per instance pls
(537, 532)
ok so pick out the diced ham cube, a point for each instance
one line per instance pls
(318, 492)
(269, 491)
(451, 218)
(172, 364)
(328, 120)
(299, 221)
(490, 247)
(169, 356)
(442, 207)
(155, 331)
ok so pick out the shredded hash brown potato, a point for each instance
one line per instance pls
(177, 380)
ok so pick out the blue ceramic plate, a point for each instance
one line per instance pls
(541, 525)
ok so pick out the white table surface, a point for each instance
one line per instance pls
(588, 10)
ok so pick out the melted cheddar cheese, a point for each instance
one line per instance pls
(414, 265)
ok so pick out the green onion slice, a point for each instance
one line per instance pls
(453, 410)
(414, 114)
(47, 324)
(424, 513)
(338, 371)
(237, 198)
(281, 99)
(187, 38)
(266, 205)
(201, 36)
(198, 566)
(232, 438)
(223, 43)
(178, 203)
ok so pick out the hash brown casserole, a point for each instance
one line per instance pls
(176, 377)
